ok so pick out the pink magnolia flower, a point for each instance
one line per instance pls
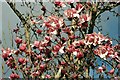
(21, 60)
(36, 43)
(5, 55)
(9, 63)
(63, 63)
(101, 52)
(56, 48)
(100, 69)
(39, 31)
(61, 50)
(84, 17)
(111, 71)
(72, 36)
(41, 48)
(39, 57)
(96, 39)
(69, 13)
(53, 23)
(67, 30)
(59, 3)
(14, 76)
(18, 40)
(81, 42)
(17, 52)
(36, 73)
(47, 76)
(48, 38)
(79, 6)
(23, 47)
(7, 52)
(71, 49)
(42, 67)
(105, 51)
(78, 43)
(79, 55)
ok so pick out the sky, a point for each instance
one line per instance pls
(0, 36)
(8, 21)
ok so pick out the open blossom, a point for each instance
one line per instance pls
(84, 18)
(47, 38)
(5, 55)
(59, 3)
(36, 43)
(69, 13)
(100, 69)
(56, 48)
(78, 43)
(71, 49)
(79, 6)
(53, 23)
(7, 52)
(34, 74)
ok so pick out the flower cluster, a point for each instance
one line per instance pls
(58, 50)
(53, 23)
(96, 39)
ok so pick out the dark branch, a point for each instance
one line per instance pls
(20, 16)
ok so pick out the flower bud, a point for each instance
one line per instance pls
(21, 60)
(111, 71)
(22, 47)
(18, 40)
(42, 67)
(39, 31)
(79, 55)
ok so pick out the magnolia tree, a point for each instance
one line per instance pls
(61, 43)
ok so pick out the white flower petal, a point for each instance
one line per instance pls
(75, 53)
(61, 50)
